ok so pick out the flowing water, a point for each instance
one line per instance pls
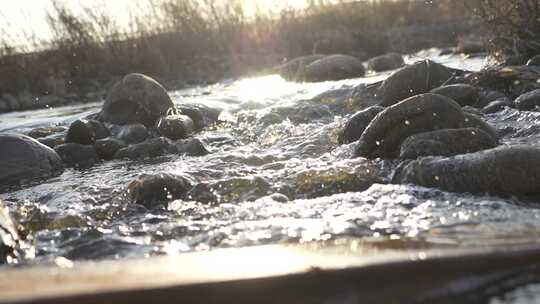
(278, 179)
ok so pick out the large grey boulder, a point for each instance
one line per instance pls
(23, 159)
(386, 62)
(412, 80)
(334, 67)
(506, 170)
(418, 114)
(446, 142)
(136, 99)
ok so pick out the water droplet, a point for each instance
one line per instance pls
(407, 122)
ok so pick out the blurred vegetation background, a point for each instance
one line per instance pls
(191, 41)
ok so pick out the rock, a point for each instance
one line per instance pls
(447, 51)
(508, 170)
(46, 131)
(463, 94)
(12, 102)
(191, 147)
(474, 121)
(175, 126)
(77, 155)
(390, 61)
(356, 125)
(203, 193)
(106, 148)
(497, 105)
(132, 134)
(446, 142)
(334, 67)
(529, 101)
(486, 97)
(294, 69)
(11, 245)
(4, 106)
(150, 148)
(23, 159)
(412, 80)
(98, 128)
(136, 99)
(202, 116)
(418, 114)
(79, 132)
(52, 141)
(154, 190)
(472, 110)
(534, 60)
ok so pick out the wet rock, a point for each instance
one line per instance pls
(240, 189)
(132, 134)
(11, 244)
(175, 126)
(191, 147)
(474, 121)
(463, 94)
(155, 190)
(472, 110)
(202, 116)
(506, 170)
(106, 148)
(45, 131)
(150, 148)
(294, 69)
(534, 60)
(447, 142)
(529, 101)
(390, 61)
(203, 193)
(81, 133)
(52, 141)
(136, 99)
(470, 45)
(497, 105)
(334, 67)
(23, 159)
(77, 155)
(356, 125)
(418, 114)
(412, 80)
(98, 128)
(486, 97)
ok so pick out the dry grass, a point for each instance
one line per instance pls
(195, 40)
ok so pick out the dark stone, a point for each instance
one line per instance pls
(474, 121)
(203, 193)
(106, 148)
(77, 155)
(472, 110)
(132, 134)
(52, 141)
(418, 114)
(506, 170)
(151, 148)
(191, 147)
(175, 126)
(80, 133)
(356, 125)
(463, 94)
(447, 142)
(155, 190)
(486, 97)
(412, 80)
(294, 69)
(202, 116)
(334, 67)
(98, 128)
(529, 101)
(390, 61)
(534, 60)
(136, 99)
(23, 159)
(496, 106)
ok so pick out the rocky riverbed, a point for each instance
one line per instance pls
(430, 157)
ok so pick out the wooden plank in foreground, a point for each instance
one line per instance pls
(273, 274)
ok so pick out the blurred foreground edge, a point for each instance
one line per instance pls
(281, 274)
